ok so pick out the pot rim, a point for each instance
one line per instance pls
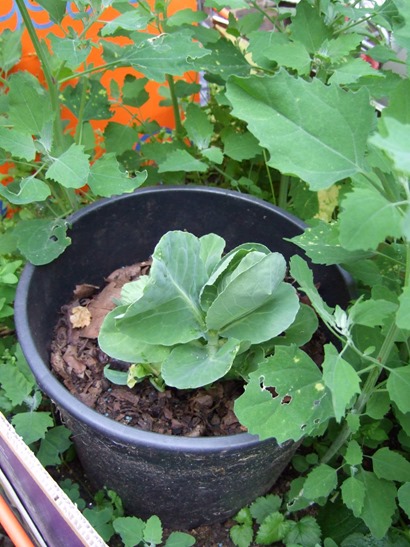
(60, 395)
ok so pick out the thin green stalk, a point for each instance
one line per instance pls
(83, 100)
(283, 191)
(51, 84)
(265, 159)
(175, 107)
(92, 70)
(274, 22)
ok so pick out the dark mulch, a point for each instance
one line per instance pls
(79, 363)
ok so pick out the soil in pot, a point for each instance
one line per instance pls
(79, 362)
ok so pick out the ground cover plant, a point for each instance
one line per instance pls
(297, 117)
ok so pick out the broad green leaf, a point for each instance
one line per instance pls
(198, 127)
(297, 404)
(320, 482)
(337, 48)
(56, 9)
(180, 539)
(304, 532)
(134, 92)
(108, 179)
(377, 217)
(10, 48)
(117, 377)
(159, 55)
(302, 328)
(351, 71)
(320, 241)
(190, 366)
(223, 60)
(215, 155)
(272, 529)
(30, 107)
(181, 160)
(398, 386)
(32, 426)
(42, 240)
(402, 30)
(277, 47)
(308, 27)
(55, 442)
(395, 143)
(73, 51)
(136, 19)
(19, 144)
(379, 503)
(212, 247)
(241, 535)
(185, 17)
(264, 506)
(96, 106)
(119, 138)
(15, 384)
(153, 530)
(354, 453)
(172, 295)
(322, 141)
(399, 103)
(390, 465)
(71, 169)
(101, 520)
(378, 405)
(244, 516)
(130, 529)
(353, 494)
(260, 305)
(403, 420)
(403, 495)
(122, 343)
(239, 146)
(372, 312)
(30, 190)
(341, 379)
(403, 313)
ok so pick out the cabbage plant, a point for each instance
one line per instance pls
(202, 315)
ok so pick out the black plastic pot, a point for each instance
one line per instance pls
(185, 481)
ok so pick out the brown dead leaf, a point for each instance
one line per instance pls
(80, 317)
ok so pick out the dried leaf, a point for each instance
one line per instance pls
(80, 317)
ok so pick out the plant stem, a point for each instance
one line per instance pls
(372, 379)
(175, 107)
(365, 395)
(265, 159)
(51, 84)
(79, 131)
(283, 191)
